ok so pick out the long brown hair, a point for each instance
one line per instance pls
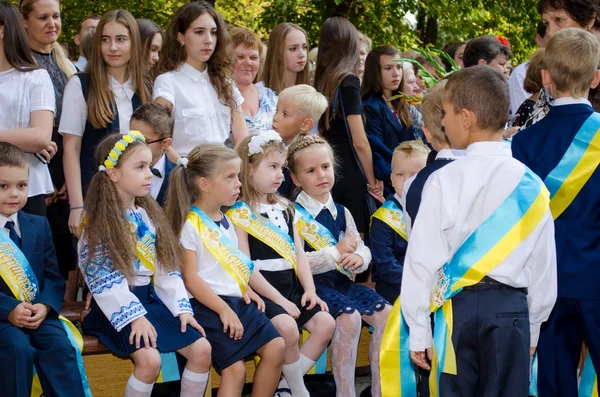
(203, 161)
(148, 29)
(107, 226)
(220, 64)
(101, 101)
(372, 83)
(16, 50)
(339, 53)
(273, 73)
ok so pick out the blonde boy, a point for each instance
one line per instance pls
(298, 110)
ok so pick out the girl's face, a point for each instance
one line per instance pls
(133, 177)
(557, 20)
(43, 23)
(199, 40)
(295, 51)
(267, 176)
(116, 45)
(314, 171)
(224, 185)
(458, 56)
(363, 57)
(411, 87)
(246, 66)
(391, 73)
(155, 47)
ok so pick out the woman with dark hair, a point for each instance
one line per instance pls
(152, 40)
(455, 50)
(385, 130)
(27, 106)
(342, 124)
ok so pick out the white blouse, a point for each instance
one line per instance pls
(276, 214)
(200, 117)
(20, 94)
(209, 268)
(111, 289)
(73, 119)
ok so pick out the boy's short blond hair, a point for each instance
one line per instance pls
(411, 148)
(308, 100)
(571, 58)
(433, 111)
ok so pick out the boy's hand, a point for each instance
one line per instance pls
(40, 311)
(347, 245)
(251, 296)
(351, 262)
(20, 315)
(187, 319)
(142, 328)
(419, 358)
(232, 323)
(290, 308)
(312, 299)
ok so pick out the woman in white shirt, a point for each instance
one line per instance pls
(115, 77)
(195, 80)
(26, 105)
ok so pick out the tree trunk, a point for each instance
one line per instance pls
(431, 31)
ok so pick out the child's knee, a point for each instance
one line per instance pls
(288, 329)
(274, 350)
(235, 371)
(324, 323)
(201, 351)
(148, 360)
(349, 322)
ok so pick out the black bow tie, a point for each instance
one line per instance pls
(155, 172)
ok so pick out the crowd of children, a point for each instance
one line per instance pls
(196, 238)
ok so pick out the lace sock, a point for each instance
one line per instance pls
(344, 348)
(377, 321)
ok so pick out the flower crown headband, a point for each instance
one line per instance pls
(113, 157)
(257, 142)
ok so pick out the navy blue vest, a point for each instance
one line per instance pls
(335, 226)
(260, 250)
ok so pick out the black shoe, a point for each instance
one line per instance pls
(366, 392)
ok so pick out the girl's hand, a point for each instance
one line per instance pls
(347, 245)
(142, 328)
(251, 296)
(232, 323)
(187, 319)
(351, 262)
(290, 308)
(377, 188)
(313, 300)
(75, 218)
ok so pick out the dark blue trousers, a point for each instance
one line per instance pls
(559, 348)
(491, 341)
(47, 347)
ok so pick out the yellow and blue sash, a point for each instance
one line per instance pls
(234, 261)
(20, 278)
(317, 235)
(576, 167)
(588, 386)
(390, 214)
(264, 230)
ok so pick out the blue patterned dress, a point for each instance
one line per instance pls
(267, 105)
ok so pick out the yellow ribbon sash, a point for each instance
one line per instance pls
(391, 215)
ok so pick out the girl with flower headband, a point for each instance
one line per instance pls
(217, 273)
(130, 260)
(265, 231)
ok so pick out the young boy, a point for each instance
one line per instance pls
(552, 148)
(156, 123)
(31, 294)
(487, 50)
(299, 109)
(388, 233)
(432, 111)
(483, 249)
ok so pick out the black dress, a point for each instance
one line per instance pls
(350, 188)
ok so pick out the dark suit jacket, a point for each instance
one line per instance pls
(38, 248)
(162, 193)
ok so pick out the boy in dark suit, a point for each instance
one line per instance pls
(156, 124)
(562, 149)
(30, 331)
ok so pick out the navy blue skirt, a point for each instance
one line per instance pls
(344, 296)
(168, 327)
(258, 331)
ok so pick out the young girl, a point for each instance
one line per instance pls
(140, 306)
(217, 273)
(334, 259)
(100, 102)
(151, 40)
(286, 63)
(265, 230)
(197, 66)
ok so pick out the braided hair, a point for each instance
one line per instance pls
(302, 142)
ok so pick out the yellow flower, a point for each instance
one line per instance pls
(120, 146)
(109, 164)
(113, 154)
(128, 138)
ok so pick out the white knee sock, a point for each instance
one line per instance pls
(137, 388)
(293, 374)
(193, 384)
(305, 363)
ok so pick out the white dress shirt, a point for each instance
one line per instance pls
(157, 182)
(73, 121)
(276, 214)
(325, 259)
(457, 199)
(13, 218)
(518, 95)
(81, 64)
(22, 93)
(200, 116)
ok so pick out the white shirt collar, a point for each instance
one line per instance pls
(161, 165)
(264, 208)
(122, 91)
(13, 218)
(450, 154)
(489, 148)
(397, 197)
(191, 71)
(81, 63)
(315, 207)
(570, 101)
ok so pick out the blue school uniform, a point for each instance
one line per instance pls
(575, 315)
(48, 346)
(164, 188)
